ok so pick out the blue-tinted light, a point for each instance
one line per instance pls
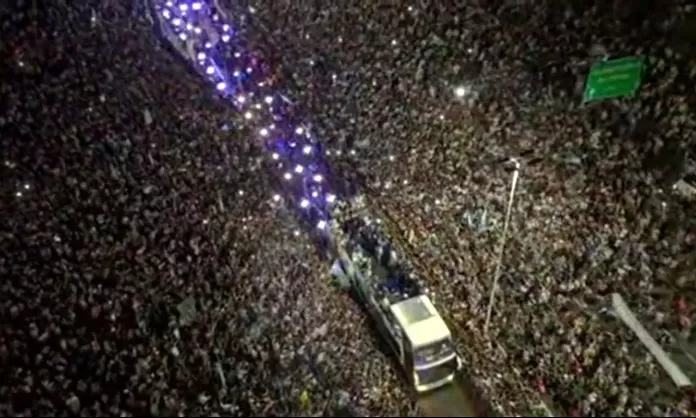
(291, 148)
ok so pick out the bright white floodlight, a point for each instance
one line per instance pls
(460, 91)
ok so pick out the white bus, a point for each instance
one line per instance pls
(402, 311)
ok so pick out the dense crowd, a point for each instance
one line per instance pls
(430, 97)
(148, 267)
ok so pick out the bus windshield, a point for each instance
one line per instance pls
(437, 373)
(431, 353)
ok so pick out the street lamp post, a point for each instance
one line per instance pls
(501, 245)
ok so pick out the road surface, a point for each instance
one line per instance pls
(457, 400)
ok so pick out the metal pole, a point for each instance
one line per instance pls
(501, 247)
(626, 315)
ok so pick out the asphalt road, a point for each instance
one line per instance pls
(459, 399)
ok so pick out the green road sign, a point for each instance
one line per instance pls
(619, 77)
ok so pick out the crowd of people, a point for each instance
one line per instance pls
(148, 267)
(431, 98)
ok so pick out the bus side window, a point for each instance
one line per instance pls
(407, 356)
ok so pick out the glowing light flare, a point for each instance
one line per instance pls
(304, 203)
(307, 149)
(196, 6)
(299, 169)
(461, 91)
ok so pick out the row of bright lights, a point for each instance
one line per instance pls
(184, 24)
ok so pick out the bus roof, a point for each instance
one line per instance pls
(420, 321)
